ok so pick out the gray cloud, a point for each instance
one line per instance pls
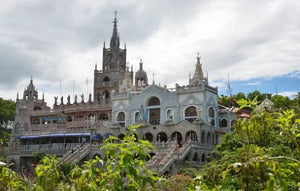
(61, 40)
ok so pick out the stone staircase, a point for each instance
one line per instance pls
(164, 158)
(76, 156)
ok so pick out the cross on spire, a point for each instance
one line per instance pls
(153, 78)
(198, 56)
(116, 12)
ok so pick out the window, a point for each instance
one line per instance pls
(103, 117)
(169, 115)
(211, 116)
(154, 113)
(121, 119)
(223, 123)
(106, 94)
(106, 79)
(154, 101)
(190, 114)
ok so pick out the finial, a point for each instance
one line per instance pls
(115, 14)
(104, 44)
(198, 57)
(153, 78)
(124, 45)
(131, 68)
(95, 65)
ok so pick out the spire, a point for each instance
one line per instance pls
(115, 40)
(198, 71)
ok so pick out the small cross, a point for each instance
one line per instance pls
(153, 77)
(115, 14)
(198, 56)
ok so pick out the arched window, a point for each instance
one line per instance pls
(106, 94)
(178, 137)
(103, 117)
(169, 115)
(106, 79)
(154, 113)
(203, 137)
(208, 138)
(137, 116)
(196, 157)
(149, 137)
(162, 137)
(121, 136)
(154, 101)
(191, 135)
(211, 112)
(190, 113)
(121, 119)
(211, 116)
(223, 123)
(203, 158)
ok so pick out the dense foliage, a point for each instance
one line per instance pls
(7, 111)
(124, 166)
(263, 153)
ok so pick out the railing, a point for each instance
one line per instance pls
(74, 156)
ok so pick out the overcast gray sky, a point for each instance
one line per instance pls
(60, 41)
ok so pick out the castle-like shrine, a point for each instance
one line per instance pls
(184, 123)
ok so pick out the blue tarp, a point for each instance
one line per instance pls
(97, 137)
(46, 119)
(53, 135)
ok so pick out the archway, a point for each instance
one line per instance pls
(162, 137)
(149, 137)
(176, 136)
(191, 135)
(196, 157)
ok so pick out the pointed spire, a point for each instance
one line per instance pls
(198, 71)
(115, 40)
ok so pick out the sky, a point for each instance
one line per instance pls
(255, 44)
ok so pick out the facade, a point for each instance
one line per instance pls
(184, 123)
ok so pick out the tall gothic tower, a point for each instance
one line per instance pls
(107, 80)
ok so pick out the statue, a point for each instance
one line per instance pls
(82, 98)
(55, 100)
(90, 97)
(62, 100)
(75, 99)
(68, 98)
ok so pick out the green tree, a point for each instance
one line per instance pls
(263, 153)
(7, 110)
(281, 102)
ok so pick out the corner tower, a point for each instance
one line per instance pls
(107, 80)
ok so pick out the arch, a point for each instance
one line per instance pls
(191, 135)
(105, 94)
(149, 137)
(211, 112)
(121, 136)
(12, 164)
(162, 137)
(208, 138)
(203, 157)
(136, 116)
(190, 113)
(153, 101)
(154, 113)
(196, 157)
(211, 116)
(223, 123)
(106, 79)
(176, 136)
(121, 118)
(169, 115)
(203, 137)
